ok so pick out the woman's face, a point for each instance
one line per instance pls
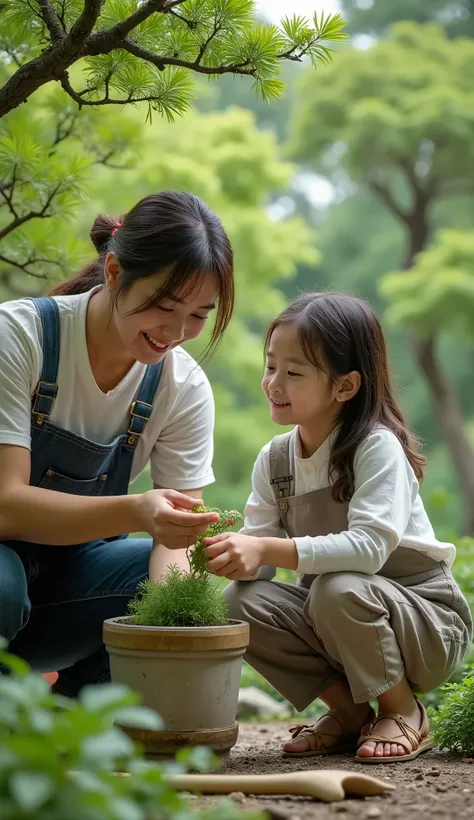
(149, 334)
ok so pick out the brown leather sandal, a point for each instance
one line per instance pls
(414, 741)
(315, 737)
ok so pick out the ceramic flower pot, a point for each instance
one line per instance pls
(189, 675)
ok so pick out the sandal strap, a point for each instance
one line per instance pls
(311, 731)
(408, 738)
(315, 736)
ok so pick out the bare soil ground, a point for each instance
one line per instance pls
(435, 785)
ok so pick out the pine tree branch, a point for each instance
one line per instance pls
(66, 48)
(25, 267)
(162, 62)
(51, 21)
(217, 27)
(291, 55)
(104, 41)
(79, 99)
(190, 23)
(18, 221)
(52, 62)
(86, 22)
(8, 197)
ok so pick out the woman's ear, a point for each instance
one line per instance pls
(111, 270)
(347, 386)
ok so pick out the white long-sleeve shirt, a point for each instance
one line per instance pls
(385, 511)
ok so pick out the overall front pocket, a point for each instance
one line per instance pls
(53, 480)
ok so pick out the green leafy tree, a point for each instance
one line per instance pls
(439, 293)
(397, 120)
(132, 52)
(373, 17)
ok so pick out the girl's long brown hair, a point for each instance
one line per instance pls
(340, 333)
(174, 232)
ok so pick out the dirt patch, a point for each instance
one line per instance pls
(433, 786)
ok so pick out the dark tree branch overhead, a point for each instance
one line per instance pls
(25, 266)
(52, 62)
(17, 220)
(104, 41)
(65, 48)
(86, 22)
(51, 20)
(79, 99)
(162, 62)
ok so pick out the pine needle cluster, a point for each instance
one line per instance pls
(182, 598)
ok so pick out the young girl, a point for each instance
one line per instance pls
(377, 614)
(93, 385)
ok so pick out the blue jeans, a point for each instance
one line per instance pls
(53, 601)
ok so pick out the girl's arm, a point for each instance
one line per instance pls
(379, 511)
(261, 545)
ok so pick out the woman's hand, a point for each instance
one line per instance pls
(167, 516)
(234, 555)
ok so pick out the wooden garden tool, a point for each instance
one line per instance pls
(325, 784)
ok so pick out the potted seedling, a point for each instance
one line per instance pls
(179, 650)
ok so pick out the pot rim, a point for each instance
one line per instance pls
(118, 633)
(123, 622)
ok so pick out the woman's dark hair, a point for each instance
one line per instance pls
(339, 333)
(174, 232)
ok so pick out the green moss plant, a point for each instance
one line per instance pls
(452, 724)
(181, 598)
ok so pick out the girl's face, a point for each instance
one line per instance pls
(149, 334)
(297, 391)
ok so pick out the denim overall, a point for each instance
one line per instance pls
(54, 599)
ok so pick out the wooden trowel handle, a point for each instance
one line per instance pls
(247, 783)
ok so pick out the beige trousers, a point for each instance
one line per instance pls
(368, 629)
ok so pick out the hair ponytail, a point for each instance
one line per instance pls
(93, 273)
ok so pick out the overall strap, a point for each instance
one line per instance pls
(280, 467)
(140, 410)
(47, 388)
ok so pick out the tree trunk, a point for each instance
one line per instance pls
(450, 422)
(445, 403)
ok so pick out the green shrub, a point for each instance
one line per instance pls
(59, 757)
(453, 724)
(182, 598)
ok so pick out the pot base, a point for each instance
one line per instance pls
(162, 745)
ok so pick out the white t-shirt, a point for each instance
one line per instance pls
(385, 511)
(178, 438)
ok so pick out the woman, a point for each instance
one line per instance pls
(93, 386)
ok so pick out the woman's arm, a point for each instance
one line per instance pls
(161, 556)
(43, 516)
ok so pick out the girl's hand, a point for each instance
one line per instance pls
(167, 516)
(233, 555)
